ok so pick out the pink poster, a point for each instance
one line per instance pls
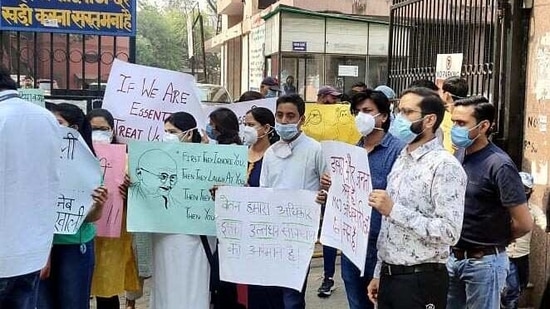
(112, 159)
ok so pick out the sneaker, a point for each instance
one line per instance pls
(326, 288)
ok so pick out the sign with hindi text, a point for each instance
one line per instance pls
(96, 17)
(141, 98)
(266, 236)
(330, 122)
(346, 223)
(80, 176)
(171, 182)
(112, 160)
(33, 95)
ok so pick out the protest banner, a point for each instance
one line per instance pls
(80, 175)
(112, 160)
(346, 222)
(447, 65)
(330, 122)
(241, 108)
(33, 95)
(266, 236)
(171, 183)
(141, 98)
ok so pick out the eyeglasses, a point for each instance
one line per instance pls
(406, 111)
(172, 178)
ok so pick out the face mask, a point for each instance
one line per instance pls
(286, 131)
(249, 136)
(210, 132)
(170, 138)
(401, 128)
(365, 123)
(271, 94)
(461, 136)
(102, 137)
(282, 149)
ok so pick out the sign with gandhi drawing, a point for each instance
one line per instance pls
(171, 182)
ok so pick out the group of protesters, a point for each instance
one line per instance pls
(450, 221)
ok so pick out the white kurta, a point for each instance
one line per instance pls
(181, 273)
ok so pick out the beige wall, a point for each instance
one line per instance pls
(536, 147)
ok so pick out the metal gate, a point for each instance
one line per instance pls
(69, 67)
(484, 31)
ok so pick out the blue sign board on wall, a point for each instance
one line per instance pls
(105, 17)
(299, 46)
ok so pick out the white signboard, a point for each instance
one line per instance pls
(141, 98)
(256, 57)
(266, 236)
(448, 65)
(80, 174)
(240, 109)
(346, 223)
(348, 70)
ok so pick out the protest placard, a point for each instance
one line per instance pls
(447, 65)
(80, 175)
(33, 95)
(330, 122)
(141, 98)
(241, 108)
(346, 222)
(266, 236)
(171, 183)
(112, 160)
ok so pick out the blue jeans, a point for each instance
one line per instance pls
(293, 299)
(477, 283)
(329, 261)
(19, 292)
(356, 286)
(70, 281)
(517, 280)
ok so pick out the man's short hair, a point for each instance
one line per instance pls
(380, 100)
(431, 103)
(483, 110)
(6, 82)
(294, 99)
(426, 83)
(359, 84)
(456, 86)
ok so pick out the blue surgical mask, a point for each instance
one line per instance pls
(286, 131)
(401, 128)
(271, 94)
(210, 132)
(461, 136)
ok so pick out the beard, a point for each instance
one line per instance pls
(416, 128)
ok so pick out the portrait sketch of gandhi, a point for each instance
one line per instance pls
(156, 173)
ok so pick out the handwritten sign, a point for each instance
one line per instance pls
(80, 175)
(171, 183)
(32, 95)
(330, 122)
(256, 58)
(115, 17)
(266, 236)
(346, 223)
(141, 98)
(112, 160)
(241, 108)
(448, 65)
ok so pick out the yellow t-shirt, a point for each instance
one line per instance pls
(446, 127)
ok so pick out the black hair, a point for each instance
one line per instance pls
(105, 114)
(456, 86)
(265, 116)
(380, 100)
(431, 103)
(425, 83)
(75, 117)
(360, 84)
(227, 125)
(293, 99)
(250, 96)
(483, 110)
(185, 121)
(6, 82)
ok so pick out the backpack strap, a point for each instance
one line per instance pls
(207, 250)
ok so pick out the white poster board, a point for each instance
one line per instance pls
(256, 57)
(448, 65)
(241, 108)
(141, 98)
(348, 70)
(266, 236)
(346, 223)
(80, 174)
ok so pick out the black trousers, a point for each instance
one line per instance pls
(426, 290)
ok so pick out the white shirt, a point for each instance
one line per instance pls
(301, 169)
(29, 183)
(427, 187)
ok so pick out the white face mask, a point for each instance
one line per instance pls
(102, 137)
(249, 136)
(170, 138)
(365, 123)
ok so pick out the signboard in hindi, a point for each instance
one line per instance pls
(448, 65)
(266, 236)
(33, 95)
(97, 17)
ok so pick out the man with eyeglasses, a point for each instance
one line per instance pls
(157, 175)
(422, 209)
